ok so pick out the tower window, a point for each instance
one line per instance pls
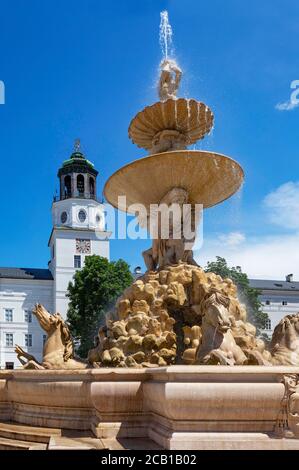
(8, 314)
(9, 340)
(82, 216)
(77, 261)
(268, 325)
(80, 185)
(67, 186)
(91, 187)
(28, 340)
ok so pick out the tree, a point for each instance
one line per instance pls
(247, 295)
(93, 290)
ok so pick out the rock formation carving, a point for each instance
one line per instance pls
(179, 314)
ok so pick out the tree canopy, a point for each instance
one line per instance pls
(247, 295)
(94, 288)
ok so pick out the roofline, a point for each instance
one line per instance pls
(79, 229)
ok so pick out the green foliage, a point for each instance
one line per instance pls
(247, 295)
(93, 290)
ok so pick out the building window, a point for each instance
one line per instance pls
(284, 302)
(28, 316)
(267, 302)
(8, 314)
(77, 261)
(44, 339)
(9, 365)
(9, 340)
(28, 340)
(268, 324)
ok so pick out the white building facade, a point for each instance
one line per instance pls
(78, 231)
(279, 298)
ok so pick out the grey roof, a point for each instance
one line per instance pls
(25, 273)
(265, 284)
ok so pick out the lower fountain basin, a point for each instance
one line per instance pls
(179, 407)
(209, 178)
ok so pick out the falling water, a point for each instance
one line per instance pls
(165, 35)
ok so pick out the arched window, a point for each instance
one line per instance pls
(67, 186)
(91, 187)
(80, 185)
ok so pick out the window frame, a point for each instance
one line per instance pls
(12, 340)
(6, 310)
(26, 312)
(28, 340)
(77, 258)
(268, 324)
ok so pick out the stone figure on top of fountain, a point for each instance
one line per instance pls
(173, 229)
(170, 79)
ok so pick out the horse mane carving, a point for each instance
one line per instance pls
(65, 335)
(58, 352)
(284, 345)
(212, 298)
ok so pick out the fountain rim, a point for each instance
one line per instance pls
(186, 153)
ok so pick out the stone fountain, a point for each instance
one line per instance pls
(177, 362)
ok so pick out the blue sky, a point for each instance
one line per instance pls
(75, 68)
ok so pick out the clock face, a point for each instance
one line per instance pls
(83, 246)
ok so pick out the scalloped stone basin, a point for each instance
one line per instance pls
(191, 118)
(209, 178)
(179, 407)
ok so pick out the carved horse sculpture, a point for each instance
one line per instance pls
(284, 346)
(58, 349)
(218, 345)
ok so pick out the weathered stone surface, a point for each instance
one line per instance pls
(179, 315)
(182, 315)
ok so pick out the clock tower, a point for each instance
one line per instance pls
(78, 224)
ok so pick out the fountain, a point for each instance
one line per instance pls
(179, 363)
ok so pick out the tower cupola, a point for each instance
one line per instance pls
(77, 176)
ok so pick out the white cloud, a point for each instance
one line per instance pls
(283, 205)
(264, 257)
(232, 239)
(287, 105)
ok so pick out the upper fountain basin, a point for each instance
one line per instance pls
(191, 120)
